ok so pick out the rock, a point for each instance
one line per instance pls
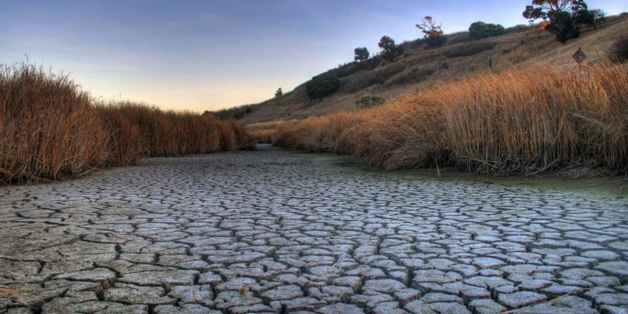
(486, 306)
(383, 285)
(619, 268)
(283, 293)
(487, 262)
(519, 299)
(124, 293)
(340, 308)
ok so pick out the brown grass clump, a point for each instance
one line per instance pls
(125, 145)
(321, 134)
(526, 121)
(49, 128)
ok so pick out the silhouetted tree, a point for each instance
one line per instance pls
(565, 16)
(279, 92)
(389, 49)
(433, 34)
(361, 54)
(479, 30)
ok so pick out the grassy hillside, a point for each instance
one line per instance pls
(517, 121)
(420, 68)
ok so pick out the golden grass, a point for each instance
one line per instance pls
(262, 132)
(526, 120)
(49, 128)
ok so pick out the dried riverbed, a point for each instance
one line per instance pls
(280, 232)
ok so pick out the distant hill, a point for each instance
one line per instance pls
(376, 81)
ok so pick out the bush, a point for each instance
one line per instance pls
(369, 101)
(322, 86)
(233, 113)
(563, 27)
(619, 52)
(479, 30)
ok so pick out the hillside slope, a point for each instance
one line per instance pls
(420, 67)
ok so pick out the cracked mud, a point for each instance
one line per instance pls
(273, 232)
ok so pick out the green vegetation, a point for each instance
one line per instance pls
(619, 52)
(479, 30)
(433, 34)
(566, 16)
(231, 113)
(389, 49)
(369, 101)
(322, 86)
(361, 54)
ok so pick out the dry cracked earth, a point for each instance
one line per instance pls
(275, 232)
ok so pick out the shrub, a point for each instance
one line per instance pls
(563, 27)
(322, 86)
(278, 93)
(232, 113)
(619, 51)
(369, 101)
(479, 30)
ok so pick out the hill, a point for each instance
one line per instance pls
(420, 67)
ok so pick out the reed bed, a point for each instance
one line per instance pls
(518, 121)
(50, 129)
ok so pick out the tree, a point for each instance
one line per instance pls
(590, 17)
(389, 49)
(361, 54)
(279, 92)
(433, 33)
(479, 30)
(565, 16)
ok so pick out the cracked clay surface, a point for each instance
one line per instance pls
(273, 232)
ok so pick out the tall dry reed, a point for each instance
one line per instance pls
(526, 121)
(49, 128)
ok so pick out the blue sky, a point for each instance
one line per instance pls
(209, 54)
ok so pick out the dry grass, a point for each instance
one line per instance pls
(526, 121)
(263, 132)
(49, 129)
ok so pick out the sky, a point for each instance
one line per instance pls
(212, 54)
